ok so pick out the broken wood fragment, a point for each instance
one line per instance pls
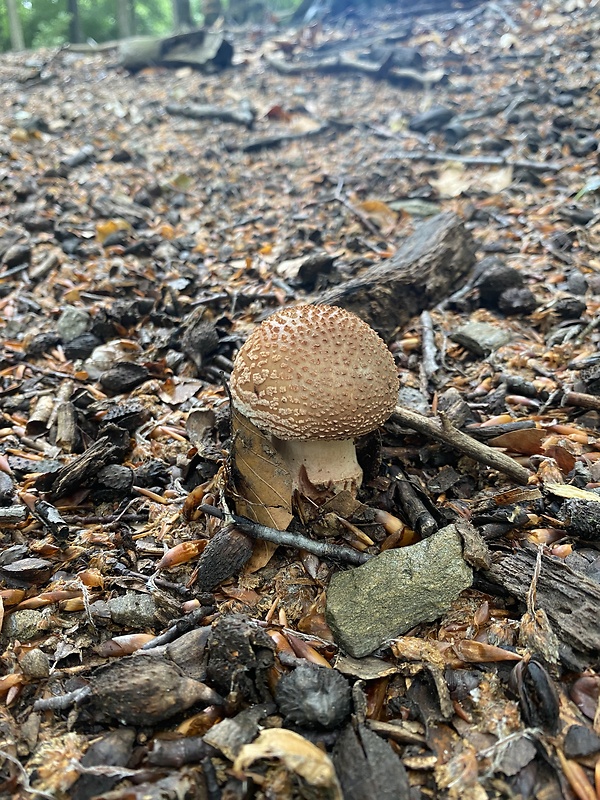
(561, 591)
(473, 161)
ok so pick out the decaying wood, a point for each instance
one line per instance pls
(196, 48)
(435, 260)
(420, 519)
(570, 600)
(344, 63)
(473, 161)
(82, 469)
(443, 430)
(239, 116)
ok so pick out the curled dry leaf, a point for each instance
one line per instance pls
(123, 645)
(481, 653)
(10, 681)
(527, 441)
(298, 755)
(576, 775)
(261, 484)
(182, 553)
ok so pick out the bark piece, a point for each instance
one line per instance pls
(113, 749)
(560, 592)
(225, 555)
(433, 262)
(368, 767)
(230, 735)
(109, 449)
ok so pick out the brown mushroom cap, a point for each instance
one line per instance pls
(315, 372)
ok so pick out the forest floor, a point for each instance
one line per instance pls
(139, 247)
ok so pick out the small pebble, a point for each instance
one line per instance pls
(35, 664)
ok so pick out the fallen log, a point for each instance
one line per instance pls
(197, 48)
(431, 263)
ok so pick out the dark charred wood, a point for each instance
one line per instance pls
(7, 489)
(583, 519)
(113, 749)
(109, 449)
(51, 519)
(419, 517)
(368, 767)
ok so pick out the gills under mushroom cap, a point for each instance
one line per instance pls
(314, 372)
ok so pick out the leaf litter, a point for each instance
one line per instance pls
(139, 247)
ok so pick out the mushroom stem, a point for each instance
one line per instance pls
(329, 464)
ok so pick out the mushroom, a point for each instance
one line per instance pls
(313, 378)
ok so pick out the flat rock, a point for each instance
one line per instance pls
(395, 591)
(73, 322)
(133, 610)
(481, 338)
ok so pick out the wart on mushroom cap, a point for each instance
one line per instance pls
(314, 378)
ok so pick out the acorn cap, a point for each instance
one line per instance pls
(314, 372)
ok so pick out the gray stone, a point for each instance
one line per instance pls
(481, 338)
(23, 625)
(35, 664)
(395, 591)
(413, 399)
(72, 323)
(133, 610)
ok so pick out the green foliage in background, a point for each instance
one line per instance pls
(46, 22)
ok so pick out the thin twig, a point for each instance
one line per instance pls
(296, 540)
(428, 348)
(474, 161)
(181, 626)
(62, 701)
(443, 430)
(581, 400)
(365, 221)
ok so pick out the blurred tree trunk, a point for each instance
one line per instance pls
(182, 14)
(124, 18)
(14, 24)
(75, 32)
